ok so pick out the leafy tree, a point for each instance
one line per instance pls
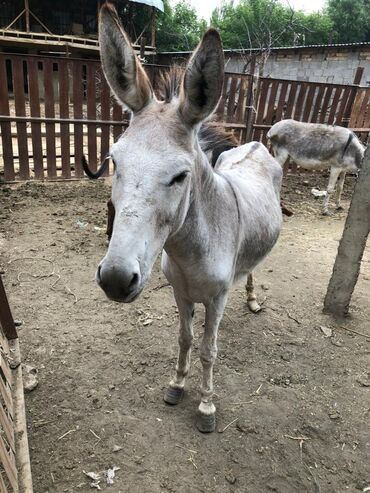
(179, 28)
(351, 20)
(265, 23)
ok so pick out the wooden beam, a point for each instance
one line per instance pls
(352, 245)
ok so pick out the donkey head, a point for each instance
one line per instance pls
(154, 159)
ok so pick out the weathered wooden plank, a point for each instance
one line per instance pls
(34, 97)
(6, 394)
(342, 106)
(117, 117)
(77, 87)
(334, 105)
(309, 102)
(299, 106)
(91, 114)
(7, 458)
(50, 112)
(5, 127)
(271, 103)
(325, 105)
(282, 101)
(230, 112)
(105, 115)
(64, 113)
(7, 425)
(318, 102)
(291, 100)
(20, 110)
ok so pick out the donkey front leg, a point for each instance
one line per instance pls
(175, 390)
(333, 178)
(206, 420)
(340, 190)
(251, 297)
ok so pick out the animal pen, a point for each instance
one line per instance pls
(53, 109)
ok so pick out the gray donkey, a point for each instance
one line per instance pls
(315, 146)
(213, 225)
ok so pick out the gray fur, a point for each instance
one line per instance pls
(213, 226)
(316, 146)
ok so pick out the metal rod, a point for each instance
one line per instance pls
(14, 21)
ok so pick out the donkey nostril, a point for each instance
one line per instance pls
(98, 273)
(134, 281)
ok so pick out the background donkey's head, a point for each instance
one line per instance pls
(154, 159)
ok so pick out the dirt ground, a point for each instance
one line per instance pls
(293, 405)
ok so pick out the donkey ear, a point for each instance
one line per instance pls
(121, 66)
(203, 79)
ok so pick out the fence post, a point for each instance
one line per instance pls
(6, 318)
(351, 247)
(250, 114)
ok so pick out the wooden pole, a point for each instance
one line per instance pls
(351, 247)
(27, 12)
(153, 26)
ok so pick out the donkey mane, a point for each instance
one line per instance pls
(212, 136)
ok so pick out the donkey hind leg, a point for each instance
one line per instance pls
(333, 178)
(175, 390)
(206, 420)
(251, 297)
(340, 190)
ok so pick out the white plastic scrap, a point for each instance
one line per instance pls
(110, 473)
(92, 475)
(318, 193)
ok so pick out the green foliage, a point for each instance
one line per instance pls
(179, 28)
(265, 23)
(351, 20)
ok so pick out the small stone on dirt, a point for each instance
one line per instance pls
(243, 426)
(30, 381)
(364, 380)
(117, 448)
(230, 478)
(326, 331)
(147, 322)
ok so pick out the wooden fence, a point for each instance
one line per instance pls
(52, 110)
(15, 469)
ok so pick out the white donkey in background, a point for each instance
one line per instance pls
(315, 146)
(214, 226)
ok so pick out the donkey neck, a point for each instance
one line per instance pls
(211, 195)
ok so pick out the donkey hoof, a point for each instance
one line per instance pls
(206, 423)
(173, 395)
(254, 306)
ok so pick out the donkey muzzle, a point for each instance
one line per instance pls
(120, 283)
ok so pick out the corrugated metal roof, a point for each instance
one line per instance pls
(158, 4)
(246, 50)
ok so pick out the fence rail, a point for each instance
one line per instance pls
(52, 110)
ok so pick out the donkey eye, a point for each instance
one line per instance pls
(178, 178)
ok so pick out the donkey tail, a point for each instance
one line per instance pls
(91, 174)
(349, 140)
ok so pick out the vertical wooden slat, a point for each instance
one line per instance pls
(231, 101)
(334, 105)
(20, 110)
(34, 97)
(309, 102)
(318, 103)
(299, 106)
(5, 127)
(282, 101)
(117, 117)
(240, 112)
(271, 103)
(50, 113)
(264, 88)
(105, 115)
(342, 106)
(291, 100)
(324, 107)
(64, 113)
(7, 458)
(91, 115)
(77, 113)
